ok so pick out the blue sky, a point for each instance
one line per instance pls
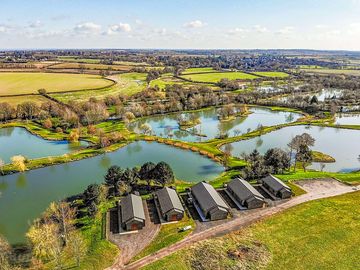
(244, 24)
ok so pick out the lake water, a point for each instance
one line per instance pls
(342, 144)
(167, 125)
(348, 119)
(24, 196)
(18, 141)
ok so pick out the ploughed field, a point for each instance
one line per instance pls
(16, 83)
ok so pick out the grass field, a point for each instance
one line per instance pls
(168, 235)
(14, 101)
(352, 72)
(27, 83)
(127, 84)
(163, 81)
(321, 234)
(272, 74)
(74, 65)
(198, 70)
(216, 77)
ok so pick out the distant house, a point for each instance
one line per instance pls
(132, 213)
(245, 194)
(213, 207)
(276, 187)
(170, 205)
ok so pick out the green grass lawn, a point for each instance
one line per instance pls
(272, 74)
(14, 83)
(216, 77)
(198, 70)
(168, 235)
(321, 234)
(127, 84)
(350, 178)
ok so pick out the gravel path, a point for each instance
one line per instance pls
(316, 189)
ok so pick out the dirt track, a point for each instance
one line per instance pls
(316, 189)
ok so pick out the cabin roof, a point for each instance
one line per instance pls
(207, 197)
(244, 190)
(275, 183)
(169, 200)
(132, 208)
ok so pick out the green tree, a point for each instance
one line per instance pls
(112, 178)
(92, 194)
(163, 174)
(146, 172)
(277, 159)
(304, 156)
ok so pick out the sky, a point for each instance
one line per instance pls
(180, 24)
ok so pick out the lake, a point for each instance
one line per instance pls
(342, 144)
(24, 196)
(19, 141)
(210, 127)
(348, 119)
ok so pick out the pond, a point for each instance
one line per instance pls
(321, 96)
(24, 196)
(19, 141)
(342, 144)
(210, 127)
(328, 93)
(348, 119)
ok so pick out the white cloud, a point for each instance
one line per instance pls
(195, 24)
(321, 26)
(287, 30)
(161, 31)
(260, 29)
(117, 28)
(3, 29)
(236, 31)
(35, 24)
(87, 28)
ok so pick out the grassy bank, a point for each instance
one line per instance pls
(292, 239)
(349, 178)
(168, 235)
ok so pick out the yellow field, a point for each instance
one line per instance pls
(14, 83)
(126, 84)
(14, 101)
(71, 65)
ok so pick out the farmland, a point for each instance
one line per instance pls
(14, 101)
(165, 80)
(199, 70)
(272, 74)
(353, 72)
(126, 84)
(28, 83)
(216, 77)
(91, 66)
